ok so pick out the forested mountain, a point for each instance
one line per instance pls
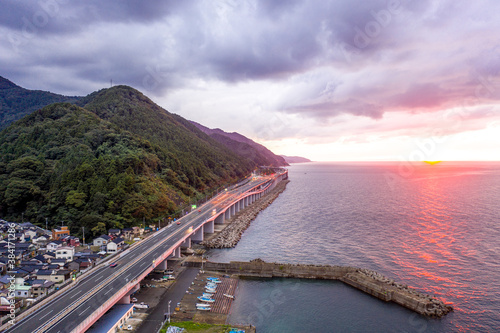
(16, 102)
(112, 161)
(244, 146)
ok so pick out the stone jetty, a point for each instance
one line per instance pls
(366, 280)
(231, 234)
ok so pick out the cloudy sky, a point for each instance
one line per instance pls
(328, 80)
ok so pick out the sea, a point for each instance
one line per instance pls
(434, 227)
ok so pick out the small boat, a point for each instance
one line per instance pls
(203, 308)
(206, 299)
(210, 291)
(207, 295)
(215, 280)
(230, 296)
(211, 286)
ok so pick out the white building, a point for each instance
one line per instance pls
(65, 252)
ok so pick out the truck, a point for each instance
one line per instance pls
(142, 306)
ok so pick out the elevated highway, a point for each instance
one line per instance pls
(91, 296)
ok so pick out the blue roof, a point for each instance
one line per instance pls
(106, 322)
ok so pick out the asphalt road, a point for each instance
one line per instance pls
(174, 294)
(130, 266)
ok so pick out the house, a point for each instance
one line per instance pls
(114, 232)
(56, 276)
(40, 287)
(58, 233)
(40, 258)
(54, 245)
(44, 274)
(57, 263)
(71, 240)
(22, 291)
(49, 255)
(65, 252)
(137, 231)
(101, 240)
(41, 240)
(115, 245)
(31, 234)
(127, 233)
(61, 275)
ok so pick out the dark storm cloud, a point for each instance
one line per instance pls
(381, 55)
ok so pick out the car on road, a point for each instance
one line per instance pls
(113, 264)
(178, 222)
(133, 300)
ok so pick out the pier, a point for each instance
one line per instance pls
(365, 280)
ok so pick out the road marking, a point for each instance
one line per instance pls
(145, 263)
(85, 310)
(126, 277)
(108, 291)
(45, 315)
(76, 294)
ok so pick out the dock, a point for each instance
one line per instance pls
(365, 280)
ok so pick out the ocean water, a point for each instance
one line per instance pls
(433, 227)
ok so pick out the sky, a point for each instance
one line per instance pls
(343, 80)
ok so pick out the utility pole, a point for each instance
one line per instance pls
(83, 233)
(46, 224)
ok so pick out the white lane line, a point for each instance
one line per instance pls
(76, 294)
(144, 263)
(126, 277)
(85, 310)
(108, 291)
(45, 315)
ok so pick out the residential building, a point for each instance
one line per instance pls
(58, 233)
(65, 252)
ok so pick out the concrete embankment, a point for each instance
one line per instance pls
(366, 280)
(231, 234)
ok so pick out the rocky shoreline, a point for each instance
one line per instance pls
(231, 234)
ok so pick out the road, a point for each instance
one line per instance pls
(94, 290)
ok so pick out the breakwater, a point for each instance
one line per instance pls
(366, 280)
(231, 234)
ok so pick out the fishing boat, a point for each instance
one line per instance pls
(206, 299)
(229, 296)
(203, 306)
(213, 279)
(207, 295)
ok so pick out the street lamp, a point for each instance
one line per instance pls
(169, 311)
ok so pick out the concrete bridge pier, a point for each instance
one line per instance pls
(198, 235)
(187, 243)
(126, 299)
(227, 214)
(233, 209)
(209, 227)
(219, 219)
(162, 265)
(177, 252)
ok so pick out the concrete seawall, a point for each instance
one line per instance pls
(366, 280)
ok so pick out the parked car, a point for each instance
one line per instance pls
(133, 300)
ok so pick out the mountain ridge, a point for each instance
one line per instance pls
(244, 146)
